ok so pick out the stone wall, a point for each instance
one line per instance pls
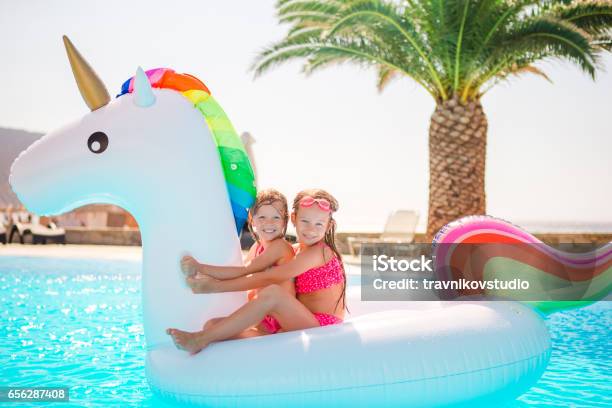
(103, 236)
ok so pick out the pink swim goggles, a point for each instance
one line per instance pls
(323, 204)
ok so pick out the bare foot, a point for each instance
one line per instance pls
(201, 283)
(191, 342)
(189, 266)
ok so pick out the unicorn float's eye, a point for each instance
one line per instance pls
(97, 142)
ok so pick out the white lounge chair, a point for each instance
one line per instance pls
(24, 224)
(41, 234)
(3, 224)
(399, 229)
(20, 225)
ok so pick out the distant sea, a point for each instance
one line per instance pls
(529, 226)
(566, 226)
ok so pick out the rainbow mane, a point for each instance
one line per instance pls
(237, 168)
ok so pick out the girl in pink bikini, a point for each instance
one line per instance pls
(267, 221)
(320, 281)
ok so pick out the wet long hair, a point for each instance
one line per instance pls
(269, 197)
(330, 234)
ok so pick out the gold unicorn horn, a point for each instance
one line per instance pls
(92, 89)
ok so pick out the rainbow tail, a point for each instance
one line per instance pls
(484, 248)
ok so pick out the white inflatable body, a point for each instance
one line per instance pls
(163, 167)
(414, 354)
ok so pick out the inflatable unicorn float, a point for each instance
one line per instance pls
(165, 151)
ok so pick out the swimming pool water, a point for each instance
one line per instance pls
(78, 323)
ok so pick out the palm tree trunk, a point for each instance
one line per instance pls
(457, 153)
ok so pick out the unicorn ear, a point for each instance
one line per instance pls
(143, 93)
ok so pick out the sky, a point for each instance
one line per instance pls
(549, 153)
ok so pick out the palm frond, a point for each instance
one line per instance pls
(594, 17)
(314, 6)
(435, 25)
(385, 76)
(373, 15)
(553, 38)
(365, 54)
(537, 39)
(297, 46)
(529, 69)
(447, 46)
(603, 42)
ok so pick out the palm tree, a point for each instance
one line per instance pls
(456, 50)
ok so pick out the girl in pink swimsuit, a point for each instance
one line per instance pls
(320, 281)
(267, 221)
